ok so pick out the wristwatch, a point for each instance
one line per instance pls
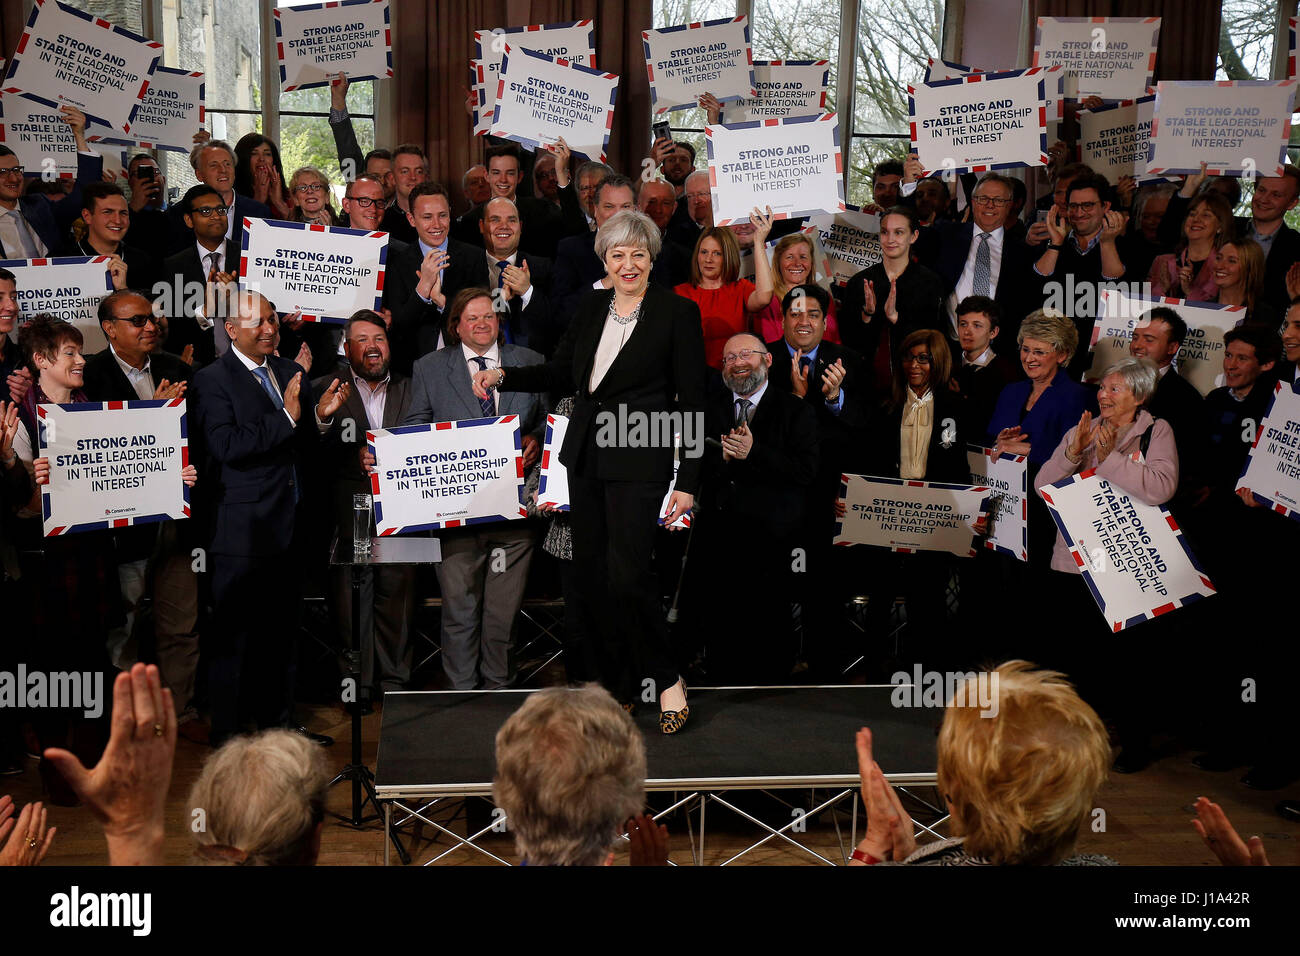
(1056, 248)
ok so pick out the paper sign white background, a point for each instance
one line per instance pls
(1273, 468)
(169, 115)
(316, 43)
(539, 100)
(1111, 57)
(992, 122)
(916, 516)
(784, 89)
(684, 64)
(1007, 482)
(790, 165)
(553, 487)
(1232, 127)
(328, 273)
(568, 41)
(68, 289)
(1114, 141)
(850, 241)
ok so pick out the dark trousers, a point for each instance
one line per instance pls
(921, 579)
(614, 525)
(252, 648)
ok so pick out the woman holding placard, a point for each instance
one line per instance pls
(792, 265)
(634, 354)
(726, 301)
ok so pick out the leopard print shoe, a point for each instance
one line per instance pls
(671, 721)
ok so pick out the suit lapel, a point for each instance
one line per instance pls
(460, 384)
(395, 406)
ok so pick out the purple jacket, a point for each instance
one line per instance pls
(1164, 280)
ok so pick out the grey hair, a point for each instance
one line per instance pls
(1053, 328)
(261, 795)
(197, 151)
(628, 228)
(593, 166)
(698, 172)
(1139, 374)
(464, 180)
(570, 771)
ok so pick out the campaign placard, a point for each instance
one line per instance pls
(794, 165)
(327, 272)
(1134, 557)
(936, 70)
(1110, 57)
(1113, 140)
(575, 42)
(1235, 127)
(553, 483)
(39, 137)
(981, 122)
(172, 109)
(67, 287)
(541, 98)
(316, 42)
(84, 61)
(447, 475)
(1272, 470)
(1199, 359)
(850, 241)
(785, 88)
(1007, 478)
(939, 70)
(113, 464)
(686, 61)
(908, 516)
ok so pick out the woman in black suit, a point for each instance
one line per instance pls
(632, 352)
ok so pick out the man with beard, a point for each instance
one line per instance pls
(751, 516)
(379, 398)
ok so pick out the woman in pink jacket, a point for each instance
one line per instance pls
(1136, 454)
(1188, 271)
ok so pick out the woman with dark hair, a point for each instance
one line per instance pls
(260, 175)
(1188, 271)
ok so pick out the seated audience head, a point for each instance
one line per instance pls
(8, 301)
(1275, 196)
(885, 179)
(53, 351)
(899, 229)
(628, 242)
(1208, 217)
(253, 325)
(792, 263)
(1150, 208)
(105, 213)
(366, 346)
(1089, 201)
(364, 202)
(614, 194)
(262, 799)
(657, 200)
(1021, 784)
(1047, 341)
(214, 165)
(430, 207)
(805, 308)
(745, 361)
(129, 324)
(500, 227)
(410, 169)
(924, 364)
(570, 772)
(978, 318)
(716, 261)
(1290, 327)
(1061, 190)
(472, 321)
(475, 183)
(699, 199)
(205, 213)
(379, 163)
(310, 190)
(1239, 267)
(679, 164)
(931, 199)
(1158, 335)
(545, 181)
(254, 151)
(503, 170)
(588, 177)
(1249, 351)
(1126, 385)
(992, 197)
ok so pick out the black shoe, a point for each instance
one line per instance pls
(1270, 776)
(323, 739)
(1217, 761)
(1132, 760)
(1290, 809)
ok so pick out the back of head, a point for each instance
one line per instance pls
(1021, 768)
(261, 798)
(570, 772)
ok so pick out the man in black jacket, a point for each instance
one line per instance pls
(981, 372)
(541, 219)
(107, 217)
(522, 281)
(192, 277)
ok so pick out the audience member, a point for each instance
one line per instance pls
(792, 265)
(31, 226)
(213, 162)
(521, 280)
(310, 191)
(259, 174)
(193, 300)
(1239, 269)
(105, 213)
(983, 371)
(1189, 271)
(410, 170)
(726, 301)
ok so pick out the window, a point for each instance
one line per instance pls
(688, 125)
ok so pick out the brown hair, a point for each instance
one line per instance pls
(730, 255)
(463, 298)
(44, 335)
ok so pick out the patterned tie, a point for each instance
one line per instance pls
(743, 405)
(983, 268)
(489, 407)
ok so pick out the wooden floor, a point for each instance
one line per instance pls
(1146, 817)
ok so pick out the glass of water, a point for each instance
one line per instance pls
(361, 514)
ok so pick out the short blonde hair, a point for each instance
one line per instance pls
(1053, 328)
(261, 798)
(570, 772)
(1021, 783)
(628, 228)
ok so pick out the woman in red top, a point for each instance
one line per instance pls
(725, 299)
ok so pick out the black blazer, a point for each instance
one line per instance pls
(920, 306)
(254, 457)
(244, 208)
(531, 327)
(541, 221)
(106, 382)
(979, 390)
(1018, 285)
(183, 272)
(1177, 401)
(946, 461)
(416, 326)
(142, 268)
(663, 358)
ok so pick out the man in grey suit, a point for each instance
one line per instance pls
(379, 398)
(483, 567)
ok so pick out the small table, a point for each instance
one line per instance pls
(384, 552)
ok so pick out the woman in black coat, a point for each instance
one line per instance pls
(634, 353)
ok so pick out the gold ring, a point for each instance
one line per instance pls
(157, 730)
(33, 844)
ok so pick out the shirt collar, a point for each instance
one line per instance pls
(248, 362)
(1084, 250)
(425, 248)
(810, 354)
(371, 387)
(204, 253)
(513, 258)
(126, 367)
(995, 236)
(492, 354)
(981, 360)
(752, 399)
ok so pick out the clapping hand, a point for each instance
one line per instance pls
(868, 300)
(1084, 435)
(1113, 225)
(332, 399)
(798, 375)
(166, 390)
(889, 833)
(649, 841)
(737, 443)
(709, 103)
(1056, 226)
(1217, 832)
(25, 841)
(8, 429)
(290, 397)
(1010, 441)
(832, 377)
(891, 303)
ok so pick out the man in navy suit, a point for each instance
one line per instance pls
(250, 410)
(521, 280)
(31, 226)
(214, 165)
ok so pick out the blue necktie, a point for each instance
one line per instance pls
(263, 376)
(489, 407)
(803, 366)
(501, 281)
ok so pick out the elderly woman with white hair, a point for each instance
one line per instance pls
(634, 356)
(1135, 453)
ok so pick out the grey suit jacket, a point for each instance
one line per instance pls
(441, 390)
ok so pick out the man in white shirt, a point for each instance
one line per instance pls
(519, 279)
(190, 294)
(214, 165)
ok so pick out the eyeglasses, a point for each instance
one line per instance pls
(365, 202)
(12, 171)
(743, 355)
(692, 197)
(921, 359)
(990, 201)
(139, 321)
(309, 188)
(207, 212)
(1082, 206)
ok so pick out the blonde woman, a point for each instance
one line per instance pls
(311, 197)
(792, 265)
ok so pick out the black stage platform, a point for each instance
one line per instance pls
(437, 745)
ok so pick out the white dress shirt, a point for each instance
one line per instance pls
(981, 360)
(304, 394)
(141, 379)
(966, 280)
(374, 398)
(493, 357)
(494, 275)
(220, 337)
